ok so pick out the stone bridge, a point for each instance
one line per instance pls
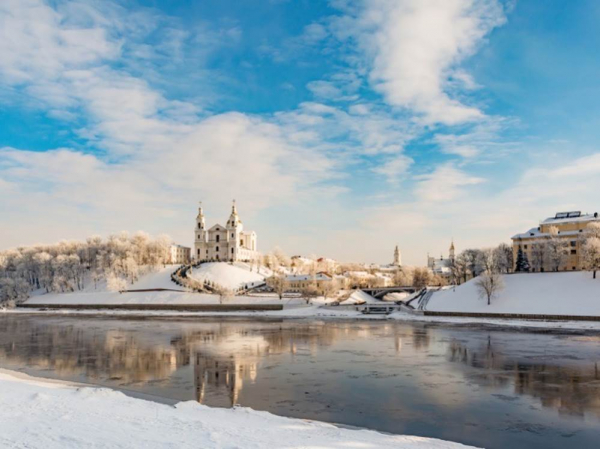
(380, 292)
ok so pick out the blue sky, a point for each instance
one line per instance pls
(342, 128)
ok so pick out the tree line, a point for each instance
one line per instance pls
(70, 266)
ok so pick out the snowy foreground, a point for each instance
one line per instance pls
(38, 413)
(564, 293)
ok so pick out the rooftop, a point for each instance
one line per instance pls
(570, 217)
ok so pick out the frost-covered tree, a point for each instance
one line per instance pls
(558, 249)
(65, 266)
(403, 277)
(539, 254)
(591, 248)
(489, 284)
(503, 254)
(591, 255)
(277, 283)
(422, 277)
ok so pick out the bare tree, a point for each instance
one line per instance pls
(277, 282)
(330, 289)
(489, 284)
(309, 291)
(539, 254)
(421, 277)
(503, 254)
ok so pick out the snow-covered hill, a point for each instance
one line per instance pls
(565, 293)
(226, 275)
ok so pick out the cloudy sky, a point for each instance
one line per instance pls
(340, 127)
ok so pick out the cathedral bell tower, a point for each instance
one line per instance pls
(397, 258)
(200, 225)
(234, 223)
(451, 252)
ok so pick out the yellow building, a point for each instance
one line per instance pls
(570, 228)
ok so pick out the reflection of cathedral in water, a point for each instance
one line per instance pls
(219, 382)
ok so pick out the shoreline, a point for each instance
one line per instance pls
(318, 313)
(70, 415)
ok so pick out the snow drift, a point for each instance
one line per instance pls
(42, 414)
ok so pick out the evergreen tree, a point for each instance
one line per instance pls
(522, 264)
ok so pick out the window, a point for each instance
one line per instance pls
(218, 238)
(198, 251)
(573, 251)
(231, 250)
(217, 249)
(232, 235)
(199, 225)
(242, 242)
(573, 243)
(525, 246)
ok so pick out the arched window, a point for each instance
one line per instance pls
(217, 249)
(231, 250)
(218, 238)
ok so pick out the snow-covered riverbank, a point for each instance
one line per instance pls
(37, 413)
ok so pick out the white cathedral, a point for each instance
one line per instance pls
(224, 243)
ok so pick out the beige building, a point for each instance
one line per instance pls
(570, 226)
(322, 282)
(442, 267)
(180, 255)
(224, 243)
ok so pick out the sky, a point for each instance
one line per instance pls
(341, 128)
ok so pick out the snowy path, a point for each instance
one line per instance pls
(41, 414)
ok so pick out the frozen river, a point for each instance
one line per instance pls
(482, 387)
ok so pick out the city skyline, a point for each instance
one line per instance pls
(342, 128)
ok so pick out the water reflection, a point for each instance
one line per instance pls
(572, 389)
(396, 377)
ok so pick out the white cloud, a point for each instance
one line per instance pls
(415, 48)
(395, 168)
(445, 183)
(35, 43)
(158, 156)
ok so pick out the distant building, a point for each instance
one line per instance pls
(570, 226)
(442, 267)
(179, 254)
(224, 243)
(320, 281)
(397, 257)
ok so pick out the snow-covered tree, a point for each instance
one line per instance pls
(503, 254)
(115, 283)
(591, 255)
(422, 277)
(591, 248)
(403, 277)
(539, 254)
(558, 249)
(277, 282)
(65, 266)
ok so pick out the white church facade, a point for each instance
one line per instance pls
(229, 243)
